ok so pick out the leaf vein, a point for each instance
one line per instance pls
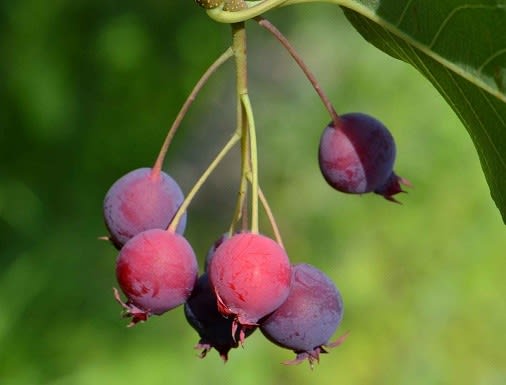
(452, 14)
(491, 58)
(403, 14)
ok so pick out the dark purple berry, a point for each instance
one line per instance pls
(358, 156)
(308, 318)
(214, 329)
(141, 200)
(250, 275)
(156, 270)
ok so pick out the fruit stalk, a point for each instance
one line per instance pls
(241, 84)
(270, 215)
(200, 182)
(254, 161)
(248, 152)
(186, 105)
(298, 59)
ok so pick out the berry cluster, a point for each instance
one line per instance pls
(248, 281)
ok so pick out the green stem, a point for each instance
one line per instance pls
(298, 59)
(257, 8)
(243, 185)
(200, 182)
(254, 161)
(272, 219)
(239, 49)
(254, 9)
(247, 128)
(270, 216)
(189, 100)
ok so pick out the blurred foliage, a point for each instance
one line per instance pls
(88, 91)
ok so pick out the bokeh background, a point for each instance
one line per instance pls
(87, 92)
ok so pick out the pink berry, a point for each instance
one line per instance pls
(250, 275)
(157, 271)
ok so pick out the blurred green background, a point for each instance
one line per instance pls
(87, 92)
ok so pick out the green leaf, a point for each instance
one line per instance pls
(460, 47)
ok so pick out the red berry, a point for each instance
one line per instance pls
(250, 275)
(157, 271)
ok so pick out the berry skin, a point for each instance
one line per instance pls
(308, 318)
(250, 275)
(358, 157)
(212, 249)
(157, 271)
(140, 200)
(202, 314)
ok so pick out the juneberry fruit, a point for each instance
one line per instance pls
(142, 199)
(358, 156)
(212, 249)
(308, 318)
(156, 270)
(250, 275)
(214, 329)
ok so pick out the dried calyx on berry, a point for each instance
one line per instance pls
(215, 331)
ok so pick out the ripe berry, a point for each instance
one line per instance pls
(202, 314)
(140, 200)
(250, 275)
(358, 157)
(212, 249)
(157, 271)
(308, 318)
